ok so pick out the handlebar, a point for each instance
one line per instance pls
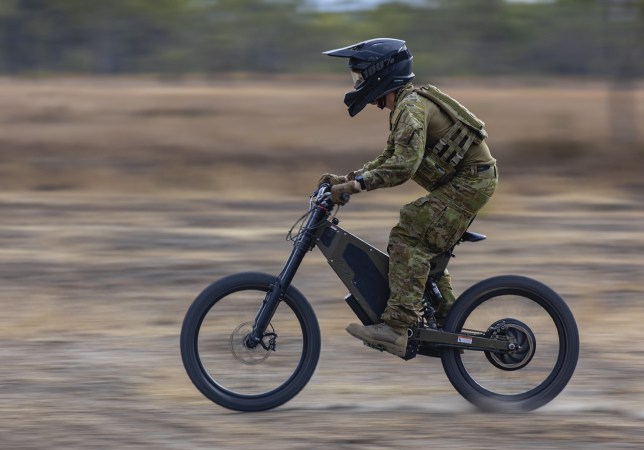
(323, 196)
(323, 192)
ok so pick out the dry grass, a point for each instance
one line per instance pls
(137, 135)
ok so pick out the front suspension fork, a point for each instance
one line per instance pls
(303, 244)
(265, 314)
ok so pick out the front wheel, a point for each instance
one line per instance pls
(244, 377)
(542, 328)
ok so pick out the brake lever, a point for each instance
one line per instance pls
(323, 192)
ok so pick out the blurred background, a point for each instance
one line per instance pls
(148, 148)
(155, 80)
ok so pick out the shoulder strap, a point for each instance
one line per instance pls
(453, 109)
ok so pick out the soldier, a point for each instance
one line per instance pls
(438, 143)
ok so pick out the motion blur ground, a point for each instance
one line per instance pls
(122, 199)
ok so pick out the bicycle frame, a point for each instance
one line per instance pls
(363, 269)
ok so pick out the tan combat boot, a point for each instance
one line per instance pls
(382, 337)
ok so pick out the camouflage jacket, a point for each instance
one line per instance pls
(415, 124)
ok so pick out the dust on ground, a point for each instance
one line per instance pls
(106, 237)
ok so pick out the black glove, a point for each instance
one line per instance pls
(340, 192)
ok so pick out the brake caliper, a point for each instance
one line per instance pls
(272, 341)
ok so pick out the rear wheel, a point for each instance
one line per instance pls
(544, 331)
(244, 377)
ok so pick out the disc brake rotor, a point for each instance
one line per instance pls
(241, 351)
(517, 332)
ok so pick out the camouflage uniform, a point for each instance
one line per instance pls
(435, 222)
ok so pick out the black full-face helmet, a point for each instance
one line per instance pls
(378, 67)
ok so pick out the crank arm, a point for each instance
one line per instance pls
(465, 341)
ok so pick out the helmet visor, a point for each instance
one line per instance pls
(357, 77)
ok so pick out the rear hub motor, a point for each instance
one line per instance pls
(522, 344)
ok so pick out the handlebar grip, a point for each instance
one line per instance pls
(345, 197)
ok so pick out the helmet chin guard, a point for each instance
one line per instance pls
(378, 66)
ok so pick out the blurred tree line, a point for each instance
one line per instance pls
(447, 37)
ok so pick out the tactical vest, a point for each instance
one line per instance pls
(440, 162)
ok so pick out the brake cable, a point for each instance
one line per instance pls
(320, 196)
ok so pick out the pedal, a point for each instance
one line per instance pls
(412, 351)
(380, 348)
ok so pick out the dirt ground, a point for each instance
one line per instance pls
(120, 200)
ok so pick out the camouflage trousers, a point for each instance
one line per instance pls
(428, 227)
